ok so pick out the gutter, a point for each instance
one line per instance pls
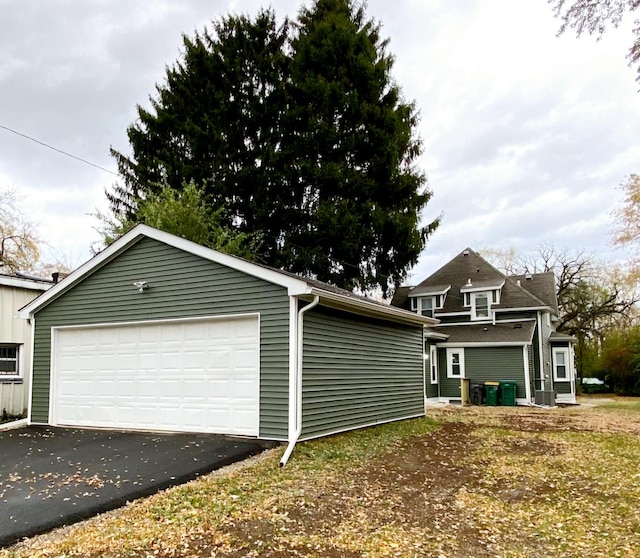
(297, 387)
(372, 310)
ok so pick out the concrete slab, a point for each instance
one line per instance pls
(56, 476)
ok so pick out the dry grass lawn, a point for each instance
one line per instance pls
(467, 482)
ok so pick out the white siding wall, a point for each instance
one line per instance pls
(14, 395)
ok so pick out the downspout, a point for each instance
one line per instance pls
(540, 352)
(298, 383)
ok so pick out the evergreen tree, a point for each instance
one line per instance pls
(301, 133)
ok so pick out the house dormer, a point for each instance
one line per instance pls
(480, 296)
(426, 301)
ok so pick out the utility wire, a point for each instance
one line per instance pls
(58, 150)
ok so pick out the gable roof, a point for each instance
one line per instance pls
(541, 285)
(296, 286)
(468, 271)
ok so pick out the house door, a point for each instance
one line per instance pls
(563, 371)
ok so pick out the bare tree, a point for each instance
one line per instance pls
(594, 16)
(19, 239)
(593, 298)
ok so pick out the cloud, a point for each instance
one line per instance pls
(526, 135)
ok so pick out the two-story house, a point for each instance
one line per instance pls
(492, 327)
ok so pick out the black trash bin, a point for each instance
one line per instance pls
(476, 394)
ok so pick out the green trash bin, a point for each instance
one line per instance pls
(508, 393)
(491, 393)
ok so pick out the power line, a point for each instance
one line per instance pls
(58, 150)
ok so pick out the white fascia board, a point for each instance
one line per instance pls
(430, 334)
(485, 344)
(525, 309)
(29, 284)
(292, 284)
(370, 309)
(449, 314)
(472, 289)
(430, 293)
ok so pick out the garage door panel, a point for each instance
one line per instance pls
(197, 376)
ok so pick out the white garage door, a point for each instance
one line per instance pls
(187, 376)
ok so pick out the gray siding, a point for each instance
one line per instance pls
(180, 285)
(495, 364)
(358, 371)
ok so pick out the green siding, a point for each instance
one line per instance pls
(180, 285)
(484, 364)
(449, 387)
(532, 371)
(494, 364)
(562, 387)
(432, 389)
(358, 371)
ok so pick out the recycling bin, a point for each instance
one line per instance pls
(508, 393)
(491, 390)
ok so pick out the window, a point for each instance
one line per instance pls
(426, 306)
(467, 299)
(480, 307)
(561, 371)
(433, 362)
(455, 363)
(9, 356)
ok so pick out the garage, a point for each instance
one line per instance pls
(157, 333)
(197, 375)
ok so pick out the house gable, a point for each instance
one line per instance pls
(502, 322)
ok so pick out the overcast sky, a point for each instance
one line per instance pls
(527, 136)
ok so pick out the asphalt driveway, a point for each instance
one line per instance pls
(54, 476)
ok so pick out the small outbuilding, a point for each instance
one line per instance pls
(15, 341)
(159, 333)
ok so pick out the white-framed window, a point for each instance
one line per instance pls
(480, 306)
(433, 364)
(561, 363)
(426, 306)
(9, 361)
(455, 363)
